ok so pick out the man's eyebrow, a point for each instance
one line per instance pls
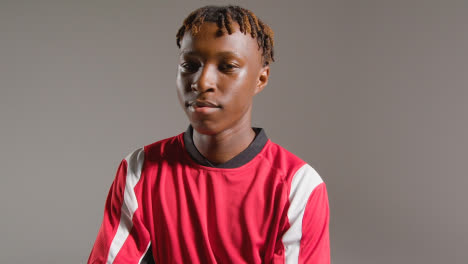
(219, 54)
(187, 52)
(229, 54)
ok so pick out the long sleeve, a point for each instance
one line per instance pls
(122, 237)
(307, 239)
(315, 242)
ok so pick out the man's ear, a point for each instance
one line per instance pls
(262, 80)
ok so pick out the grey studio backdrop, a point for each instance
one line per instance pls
(373, 94)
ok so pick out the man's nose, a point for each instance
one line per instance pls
(207, 79)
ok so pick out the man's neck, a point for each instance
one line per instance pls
(222, 147)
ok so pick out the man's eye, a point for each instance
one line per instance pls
(189, 66)
(227, 67)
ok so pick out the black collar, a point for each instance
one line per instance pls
(242, 158)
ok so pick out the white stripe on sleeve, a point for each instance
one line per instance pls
(303, 183)
(130, 203)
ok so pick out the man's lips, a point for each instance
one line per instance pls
(202, 107)
(199, 103)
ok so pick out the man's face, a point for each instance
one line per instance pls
(217, 77)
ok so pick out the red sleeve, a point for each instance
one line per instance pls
(122, 237)
(315, 241)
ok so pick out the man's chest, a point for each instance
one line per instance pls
(215, 216)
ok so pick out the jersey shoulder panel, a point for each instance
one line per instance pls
(134, 161)
(165, 148)
(297, 173)
(282, 160)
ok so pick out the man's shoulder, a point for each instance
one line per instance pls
(281, 156)
(287, 162)
(168, 147)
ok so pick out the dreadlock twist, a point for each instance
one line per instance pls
(224, 16)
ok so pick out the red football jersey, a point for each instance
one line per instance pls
(167, 204)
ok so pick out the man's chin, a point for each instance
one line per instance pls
(205, 128)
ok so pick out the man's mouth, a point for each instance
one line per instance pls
(200, 103)
(202, 106)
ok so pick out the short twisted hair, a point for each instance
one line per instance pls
(224, 16)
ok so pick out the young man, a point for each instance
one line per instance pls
(221, 192)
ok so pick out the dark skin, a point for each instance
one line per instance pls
(217, 78)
